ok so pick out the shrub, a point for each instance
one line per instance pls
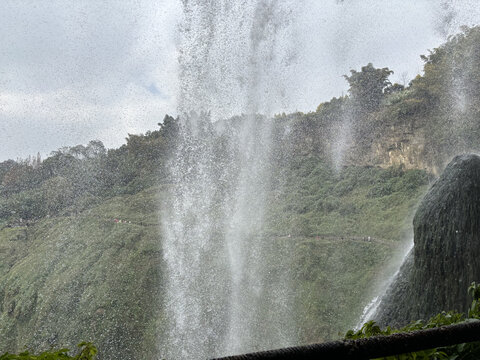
(460, 351)
(87, 352)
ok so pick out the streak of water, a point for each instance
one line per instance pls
(371, 308)
(220, 299)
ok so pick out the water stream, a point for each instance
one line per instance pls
(219, 295)
(370, 310)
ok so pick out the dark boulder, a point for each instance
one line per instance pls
(446, 254)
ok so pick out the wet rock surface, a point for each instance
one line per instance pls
(446, 254)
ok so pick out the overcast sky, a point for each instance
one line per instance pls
(75, 71)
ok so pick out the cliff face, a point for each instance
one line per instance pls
(402, 147)
(446, 253)
(402, 144)
(370, 142)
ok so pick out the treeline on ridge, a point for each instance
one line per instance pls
(75, 178)
(445, 100)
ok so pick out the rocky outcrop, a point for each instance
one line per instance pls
(401, 148)
(446, 255)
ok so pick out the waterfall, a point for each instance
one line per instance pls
(370, 310)
(233, 55)
(221, 295)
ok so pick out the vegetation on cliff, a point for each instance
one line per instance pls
(97, 274)
(417, 125)
(87, 352)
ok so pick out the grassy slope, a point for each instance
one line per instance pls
(333, 282)
(72, 278)
(315, 200)
(330, 215)
(85, 277)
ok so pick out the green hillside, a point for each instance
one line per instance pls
(314, 199)
(86, 276)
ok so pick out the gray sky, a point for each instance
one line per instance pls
(75, 71)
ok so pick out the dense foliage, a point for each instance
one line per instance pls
(455, 352)
(75, 178)
(87, 352)
(368, 87)
(315, 199)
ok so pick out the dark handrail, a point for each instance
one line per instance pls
(377, 346)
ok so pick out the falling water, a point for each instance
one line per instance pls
(370, 310)
(219, 294)
(233, 56)
(342, 133)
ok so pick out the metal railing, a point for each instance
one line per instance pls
(375, 347)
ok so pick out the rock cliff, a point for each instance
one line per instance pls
(446, 254)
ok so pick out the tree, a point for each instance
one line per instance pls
(58, 193)
(169, 128)
(367, 86)
(5, 167)
(392, 89)
(94, 149)
(18, 177)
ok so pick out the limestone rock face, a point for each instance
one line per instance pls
(446, 254)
